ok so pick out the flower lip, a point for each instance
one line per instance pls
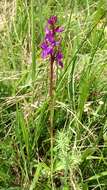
(46, 49)
(59, 55)
(59, 58)
(61, 64)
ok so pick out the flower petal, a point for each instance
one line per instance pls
(59, 29)
(59, 55)
(52, 20)
(46, 51)
(44, 45)
(61, 64)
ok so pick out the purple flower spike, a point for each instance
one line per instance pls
(51, 47)
(52, 20)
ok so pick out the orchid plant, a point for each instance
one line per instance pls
(51, 48)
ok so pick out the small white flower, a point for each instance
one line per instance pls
(101, 102)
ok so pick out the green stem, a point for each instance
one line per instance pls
(51, 115)
(33, 67)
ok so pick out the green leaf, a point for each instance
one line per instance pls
(97, 176)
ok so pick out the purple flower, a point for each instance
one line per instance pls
(59, 57)
(49, 35)
(52, 20)
(59, 29)
(46, 50)
(51, 46)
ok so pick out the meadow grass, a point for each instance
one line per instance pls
(80, 101)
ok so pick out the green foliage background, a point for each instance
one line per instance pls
(80, 109)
